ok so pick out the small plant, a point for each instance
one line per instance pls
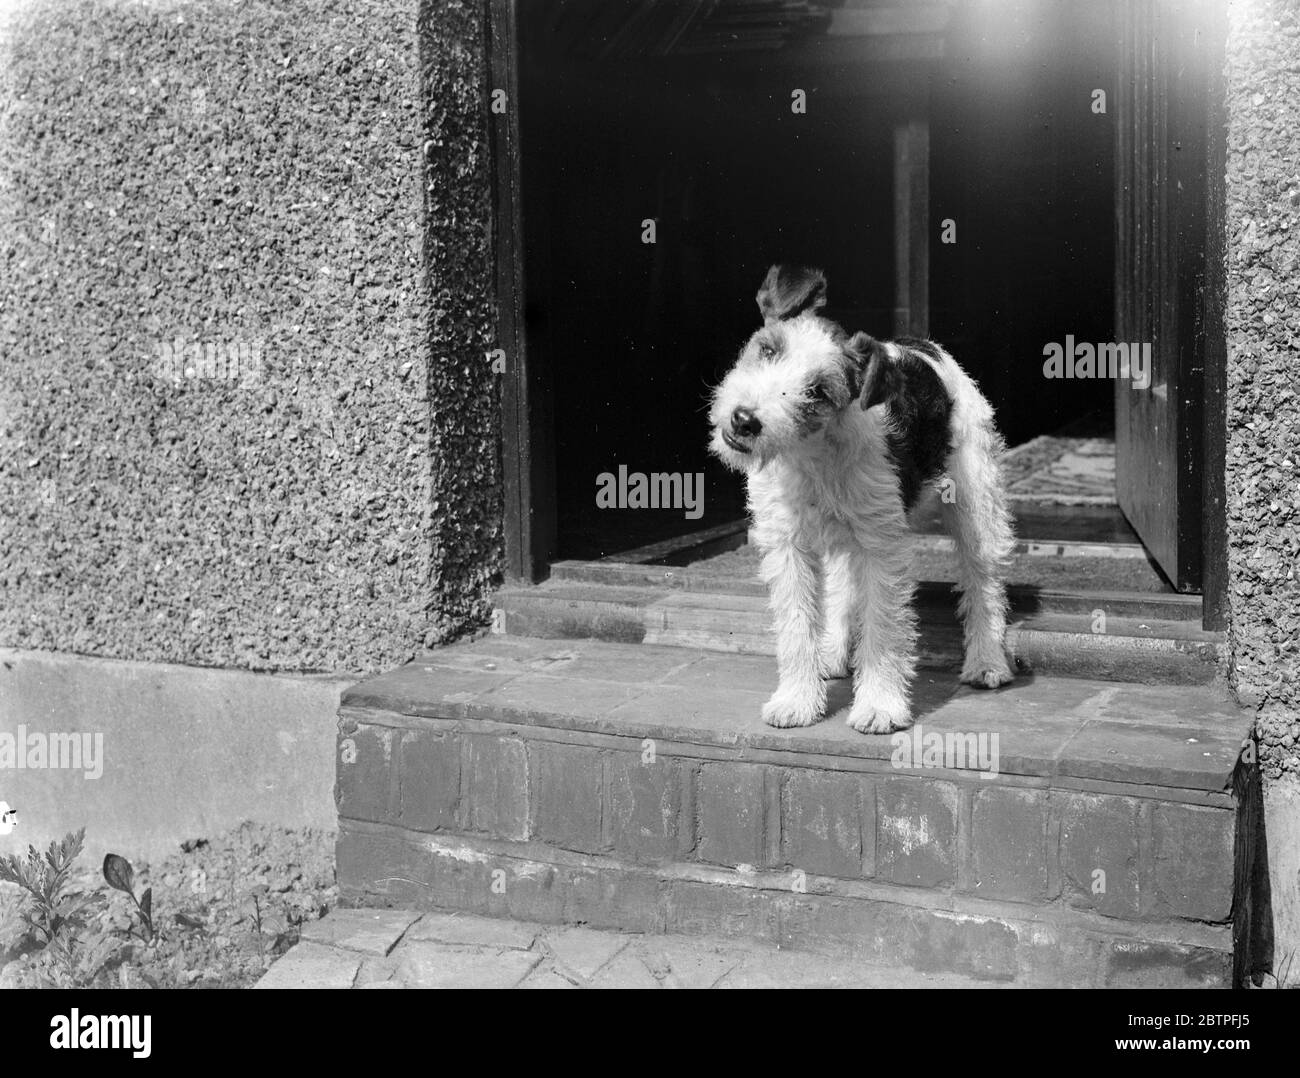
(53, 907)
(58, 916)
(217, 915)
(257, 893)
(119, 875)
(280, 927)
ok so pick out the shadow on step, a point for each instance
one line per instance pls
(1252, 899)
(931, 692)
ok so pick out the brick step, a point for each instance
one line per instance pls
(1140, 642)
(1033, 563)
(634, 787)
(1025, 599)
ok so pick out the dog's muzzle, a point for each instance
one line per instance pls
(745, 427)
(733, 442)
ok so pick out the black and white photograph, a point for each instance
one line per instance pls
(649, 494)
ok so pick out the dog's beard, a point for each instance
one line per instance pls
(734, 458)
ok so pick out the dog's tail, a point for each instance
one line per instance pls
(975, 510)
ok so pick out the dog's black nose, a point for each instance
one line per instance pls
(743, 421)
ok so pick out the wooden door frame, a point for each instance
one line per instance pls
(527, 449)
(1214, 518)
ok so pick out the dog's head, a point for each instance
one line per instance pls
(794, 377)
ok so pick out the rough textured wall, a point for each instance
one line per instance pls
(244, 416)
(1263, 480)
(466, 507)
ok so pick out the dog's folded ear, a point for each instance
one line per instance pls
(877, 376)
(790, 290)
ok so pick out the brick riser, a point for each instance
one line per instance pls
(558, 820)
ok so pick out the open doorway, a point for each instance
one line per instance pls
(953, 167)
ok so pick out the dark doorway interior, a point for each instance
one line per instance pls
(620, 125)
(1025, 167)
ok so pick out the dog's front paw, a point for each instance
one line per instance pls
(873, 717)
(794, 707)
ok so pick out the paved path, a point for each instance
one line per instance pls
(368, 948)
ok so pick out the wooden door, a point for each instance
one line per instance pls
(1165, 285)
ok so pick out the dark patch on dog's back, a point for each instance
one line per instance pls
(920, 411)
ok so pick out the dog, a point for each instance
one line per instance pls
(838, 436)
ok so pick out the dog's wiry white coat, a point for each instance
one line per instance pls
(829, 521)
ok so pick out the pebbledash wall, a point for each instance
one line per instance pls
(238, 189)
(245, 417)
(1263, 322)
(1263, 422)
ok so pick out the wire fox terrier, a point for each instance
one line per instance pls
(829, 487)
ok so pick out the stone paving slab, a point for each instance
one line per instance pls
(467, 930)
(452, 950)
(584, 951)
(313, 965)
(546, 977)
(439, 965)
(682, 962)
(625, 971)
(368, 931)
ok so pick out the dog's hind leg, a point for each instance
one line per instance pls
(975, 512)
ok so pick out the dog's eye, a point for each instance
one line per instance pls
(766, 350)
(818, 392)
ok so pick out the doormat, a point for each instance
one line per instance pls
(1051, 470)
